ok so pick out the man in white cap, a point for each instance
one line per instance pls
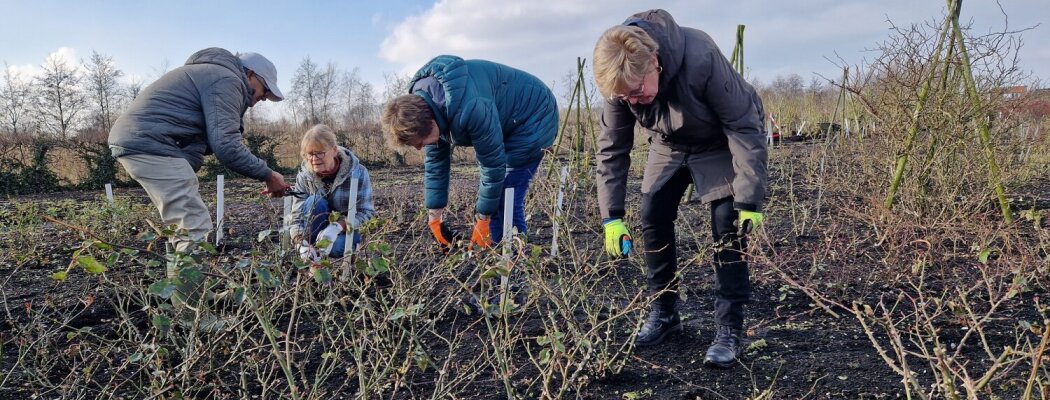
(162, 138)
(192, 111)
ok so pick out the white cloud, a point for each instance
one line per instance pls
(65, 54)
(28, 72)
(544, 37)
(25, 72)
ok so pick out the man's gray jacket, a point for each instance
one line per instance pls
(705, 117)
(192, 111)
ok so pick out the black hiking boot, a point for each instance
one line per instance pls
(662, 321)
(724, 349)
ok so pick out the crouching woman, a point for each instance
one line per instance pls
(322, 187)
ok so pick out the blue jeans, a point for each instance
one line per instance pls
(315, 209)
(519, 179)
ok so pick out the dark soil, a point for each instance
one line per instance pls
(796, 349)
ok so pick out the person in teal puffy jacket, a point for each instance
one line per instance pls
(509, 116)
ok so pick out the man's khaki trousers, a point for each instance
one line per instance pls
(173, 187)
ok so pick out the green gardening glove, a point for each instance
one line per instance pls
(748, 222)
(618, 240)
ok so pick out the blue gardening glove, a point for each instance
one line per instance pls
(617, 238)
(748, 222)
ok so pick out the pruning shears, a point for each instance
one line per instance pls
(289, 191)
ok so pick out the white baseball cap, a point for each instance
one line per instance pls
(265, 69)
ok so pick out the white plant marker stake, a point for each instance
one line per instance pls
(220, 183)
(286, 238)
(508, 223)
(348, 242)
(557, 210)
(769, 131)
(109, 193)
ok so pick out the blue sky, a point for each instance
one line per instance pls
(540, 36)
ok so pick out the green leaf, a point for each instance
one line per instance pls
(365, 268)
(545, 356)
(147, 236)
(1025, 325)
(332, 217)
(162, 323)
(495, 272)
(266, 278)
(422, 359)
(323, 243)
(380, 265)
(112, 259)
(135, 357)
(59, 276)
(983, 256)
(191, 275)
(265, 234)
(163, 288)
(210, 248)
(398, 314)
(321, 275)
(919, 265)
(756, 346)
(101, 245)
(91, 265)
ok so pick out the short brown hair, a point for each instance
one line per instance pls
(321, 134)
(405, 118)
(621, 59)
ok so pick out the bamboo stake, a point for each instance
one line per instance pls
(913, 130)
(737, 59)
(564, 126)
(982, 123)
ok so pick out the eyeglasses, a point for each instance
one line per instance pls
(315, 154)
(634, 94)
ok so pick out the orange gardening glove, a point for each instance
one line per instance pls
(444, 236)
(482, 236)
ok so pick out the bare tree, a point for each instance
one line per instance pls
(102, 83)
(303, 86)
(314, 91)
(60, 98)
(15, 106)
(133, 89)
(361, 103)
(396, 85)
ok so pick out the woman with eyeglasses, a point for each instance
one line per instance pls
(704, 123)
(323, 186)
